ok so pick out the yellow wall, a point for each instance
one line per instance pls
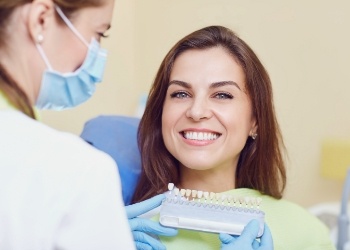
(305, 46)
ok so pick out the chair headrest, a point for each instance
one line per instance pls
(117, 136)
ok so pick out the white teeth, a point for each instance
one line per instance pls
(200, 136)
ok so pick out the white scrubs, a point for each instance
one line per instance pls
(56, 191)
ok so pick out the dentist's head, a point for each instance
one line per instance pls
(50, 52)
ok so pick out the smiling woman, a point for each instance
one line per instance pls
(199, 68)
(210, 125)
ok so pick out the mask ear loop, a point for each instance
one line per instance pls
(41, 51)
(70, 25)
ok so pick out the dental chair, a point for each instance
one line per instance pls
(117, 136)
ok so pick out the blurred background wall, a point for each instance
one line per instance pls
(303, 44)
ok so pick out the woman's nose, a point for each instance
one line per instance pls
(199, 110)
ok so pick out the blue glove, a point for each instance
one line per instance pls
(141, 228)
(247, 240)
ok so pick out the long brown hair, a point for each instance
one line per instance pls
(8, 86)
(260, 166)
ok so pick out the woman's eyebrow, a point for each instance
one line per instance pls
(223, 83)
(180, 83)
(212, 85)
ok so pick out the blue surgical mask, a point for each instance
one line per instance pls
(66, 90)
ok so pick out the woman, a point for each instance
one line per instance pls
(209, 124)
(56, 192)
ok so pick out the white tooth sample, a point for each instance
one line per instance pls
(194, 193)
(182, 192)
(217, 197)
(199, 194)
(223, 198)
(170, 186)
(206, 195)
(234, 199)
(253, 201)
(176, 191)
(229, 199)
(258, 201)
(241, 200)
(212, 196)
(247, 201)
(188, 192)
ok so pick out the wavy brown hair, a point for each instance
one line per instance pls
(260, 165)
(8, 86)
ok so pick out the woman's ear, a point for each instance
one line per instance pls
(41, 15)
(254, 129)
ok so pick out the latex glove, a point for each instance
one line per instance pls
(142, 228)
(247, 240)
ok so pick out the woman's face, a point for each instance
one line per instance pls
(68, 53)
(64, 50)
(207, 114)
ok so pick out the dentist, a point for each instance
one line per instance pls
(56, 192)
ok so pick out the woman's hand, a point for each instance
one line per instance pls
(142, 229)
(247, 240)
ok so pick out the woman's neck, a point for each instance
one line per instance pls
(212, 180)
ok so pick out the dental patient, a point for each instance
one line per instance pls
(210, 125)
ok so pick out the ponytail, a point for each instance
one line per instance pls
(14, 93)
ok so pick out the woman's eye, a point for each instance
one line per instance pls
(180, 95)
(223, 95)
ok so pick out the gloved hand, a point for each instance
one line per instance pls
(247, 240)
(141, 226)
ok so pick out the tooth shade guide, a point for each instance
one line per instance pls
(194, 208)
(200, 198)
